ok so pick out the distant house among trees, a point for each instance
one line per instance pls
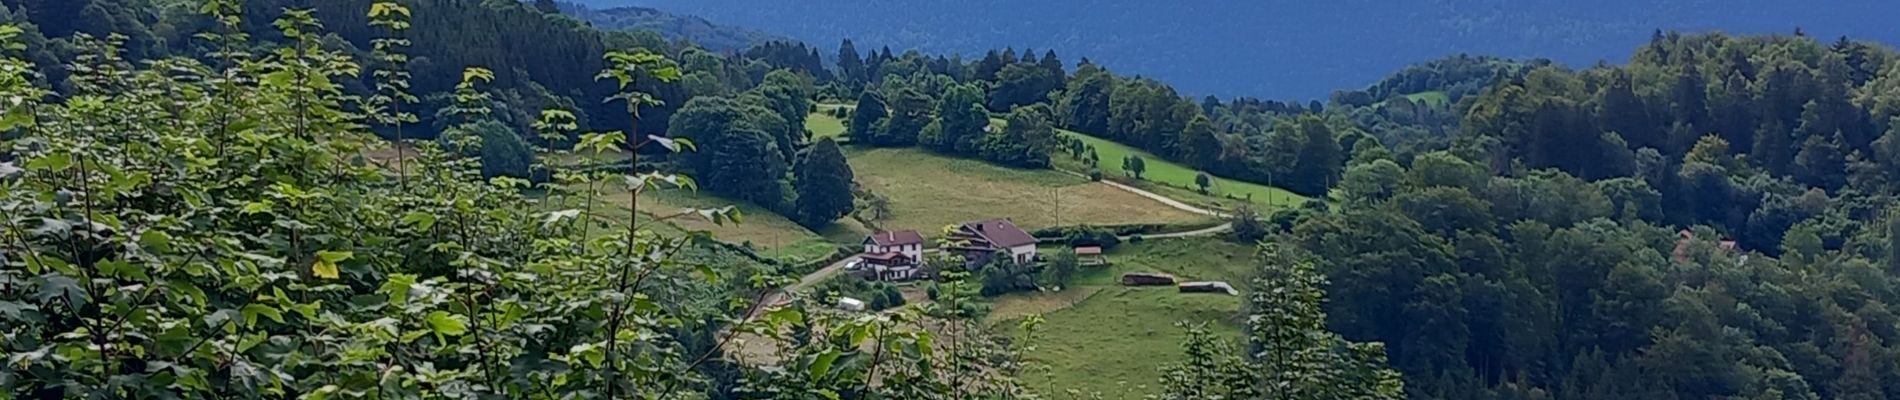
(978, 242)
(1686, 239)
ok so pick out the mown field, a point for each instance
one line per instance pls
(1175, 180)
(1106, 338)
(767, 233)
(822, 124)
(928, 191)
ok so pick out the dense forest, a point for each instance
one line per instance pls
(206, 220)
(1287, 50)
(192, 210)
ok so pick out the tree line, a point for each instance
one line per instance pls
(1712, 220)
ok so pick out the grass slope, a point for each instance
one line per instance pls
(1178, 178)
(1106, 338)
(770, 234)
(928, 191)
(822, 124)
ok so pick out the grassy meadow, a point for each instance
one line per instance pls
(1106, 338)
(928, 191)
(1179, 178)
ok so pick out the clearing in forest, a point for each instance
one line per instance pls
(928, 191)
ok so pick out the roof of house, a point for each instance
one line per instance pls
(1088, 251)
(895, 238)
(1000, 233)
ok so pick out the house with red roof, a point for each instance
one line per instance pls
(979, 242)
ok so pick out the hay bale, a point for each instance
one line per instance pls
(1208, 287)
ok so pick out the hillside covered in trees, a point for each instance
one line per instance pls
(1280, 50)
(191, 210)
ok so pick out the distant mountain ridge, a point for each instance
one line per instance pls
(712, 36)
(1282, 49)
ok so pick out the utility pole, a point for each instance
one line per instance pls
(1058, 206)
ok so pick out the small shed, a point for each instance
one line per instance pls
(850, 304)
(1091, 256)
(1147, 279)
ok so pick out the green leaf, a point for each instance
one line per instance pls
(443, 323)
(334, 256)
(397, 288)
(784, 315)
(325, 266)
(51, 162)
(589, 352)
(858, 335)
(255, 309)
(822, 365)
(59, 287)
(260, 206)
(421, 221)
(279, 78)
(325, 269)
(156, 240)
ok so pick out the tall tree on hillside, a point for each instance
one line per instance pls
(822, 179)
(1200, 146)
(1774, 147)
(1821, 162)
(1732, 109)
(736, 157)
(1022, 84)
(502, 150)
(1054, 66)
(986, 69)
(1026, 141)
(864, 118)
(961, 121)
(909, 112)
(1320, 158)
(1619, 110)
(850, 64)
(1297, 357)
(1689, 99)
(1088, 99)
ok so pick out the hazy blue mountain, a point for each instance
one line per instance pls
(1286, 49)
(672, 26)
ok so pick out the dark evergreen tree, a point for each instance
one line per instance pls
(850, 63)
(1619, 110)
(1052, 64)
(865, 118)
(987, 68)
(1089, 99)
(1320, 158)
(822, 180)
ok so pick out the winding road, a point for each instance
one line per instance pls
(815, 277)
